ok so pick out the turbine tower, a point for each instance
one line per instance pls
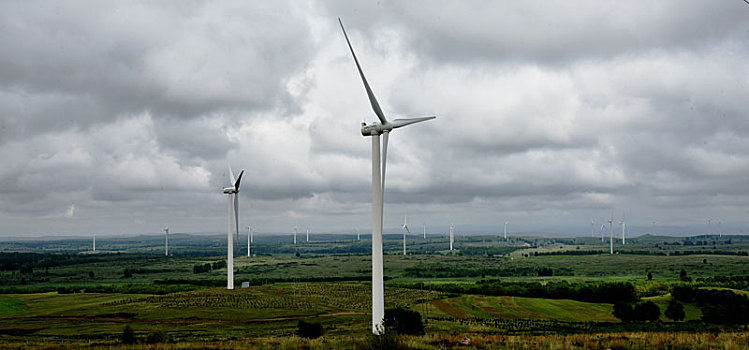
(166, 241)
(94, 247)
(383, 127)
(592, 227)
(358, 236)
(307, 234)
(611, 234)
(405, 229)
(424, 224)
(506, 222)
(452, 236)
(249, 239)
(603, 230)
(624, 226)
(296, 231)
(233, 196)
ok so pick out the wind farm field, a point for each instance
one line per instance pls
(526, 292)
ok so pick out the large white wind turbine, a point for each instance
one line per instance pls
(233, 196)
(383, 127)
(452, 236)
(506, 222)
(405, 229)
(166, 241)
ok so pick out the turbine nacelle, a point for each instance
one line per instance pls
(230, 190)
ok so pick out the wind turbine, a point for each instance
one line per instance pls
(249, 239)
(307, 233)
(94, 247)
(603, 230)
(233, 196)
(358, 236)
(592, 227)
(452, 236)
(624, 226)
(506, 222)
(296, 231)
(611, 234)
(405, 229)
(166, 241)
(423, 223)
(384, 127)
(709, 226)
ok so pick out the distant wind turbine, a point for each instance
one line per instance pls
(94, 247)
(709, 226)
(384, 127)
(603, 230)
(358, 236)
(296, 231)
(506, 222)
(452, 236)
(405, 229)
(624, 226)
(166, 241)
(423, 223)
(592, 227)
(307, 233)
(611, 233)
(233, 196)
(249, 239)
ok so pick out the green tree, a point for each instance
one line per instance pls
(624, 312)
(128, 336)
(308, 329)
(675, 311)
(650, 276)
(647, 311)
(403, 321)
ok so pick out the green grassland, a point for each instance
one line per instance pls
(67, 296)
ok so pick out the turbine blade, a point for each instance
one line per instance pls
(372, 99)
(231, 174)
(385, 136)
(397, 123)
(406, 227)
(239, 179)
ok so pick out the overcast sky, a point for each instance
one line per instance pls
(120, 117)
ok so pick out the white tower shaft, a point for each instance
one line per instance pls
(611, 237)
(506, 230)
(249, 235)
(230, 246)
(307, 233)
(166, 242)
(452, 236)
(94, 247)
(378, 287)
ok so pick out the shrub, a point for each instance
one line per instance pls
(675, 311)
(402, 321)
(155, 337)
(309, 330)
(128, 336)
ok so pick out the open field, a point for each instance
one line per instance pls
(86, 300)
